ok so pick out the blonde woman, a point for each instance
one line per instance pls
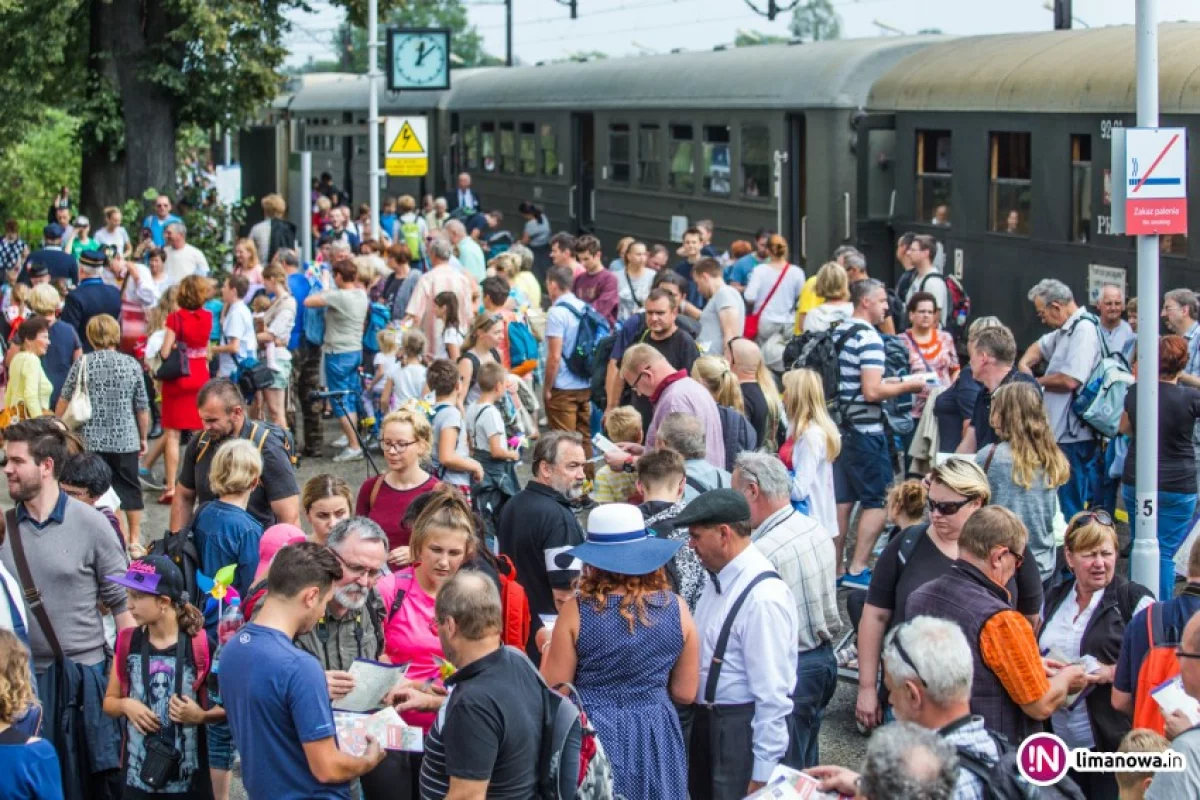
(813, 444)
(714, 374)
(1026, 467)
(277, 322)
(833, 287)
(31, 767)
(245, 261)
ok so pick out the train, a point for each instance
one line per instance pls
(997, 145)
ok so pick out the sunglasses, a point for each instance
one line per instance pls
(904, 656)
(1099, 515)
(947, 508)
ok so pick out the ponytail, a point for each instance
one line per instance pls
(766, 382)
(191, 621)
(718, 378)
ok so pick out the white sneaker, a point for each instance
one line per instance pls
(348, 455)
(341, 442)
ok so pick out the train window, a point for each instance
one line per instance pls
(717, 162)
(1081, 188)
(935, 176)
(1011, 175)
(649, 154)
(487, 145)
(756, 162)
(508, 147)
(528, 149)
(618, 153)
(549, 150)
(682, 177)
(471, 146)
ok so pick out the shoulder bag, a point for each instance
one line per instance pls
(79, 410)
(33, 595)
(750, 331)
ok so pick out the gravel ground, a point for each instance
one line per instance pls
(840, 741)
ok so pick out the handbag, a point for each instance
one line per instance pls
(253, 376)
(11, 414)
(176, 365)
(750, 331)
(79, 410)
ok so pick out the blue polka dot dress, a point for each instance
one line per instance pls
(622, 680)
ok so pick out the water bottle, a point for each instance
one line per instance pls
(231, 620)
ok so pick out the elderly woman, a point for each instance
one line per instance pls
(28, 392)
(65, 347)
(957, 489)
(1086, 617)
(120, 413)
(630, 647)
(1178, 410)
(277, 322)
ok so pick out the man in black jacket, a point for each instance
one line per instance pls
(538, 527)
(91, 298)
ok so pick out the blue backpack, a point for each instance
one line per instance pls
(378, 316)
(521, 344)
(581, 358)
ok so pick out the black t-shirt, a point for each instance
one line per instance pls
(1178, 409)
(680, 351)
(953, 406)
(981, 417)
(892, 583)
(491, 729)
(278, 476)
(756, 409)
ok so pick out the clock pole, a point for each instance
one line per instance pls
(373, 171)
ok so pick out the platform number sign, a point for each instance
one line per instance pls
(418, 58)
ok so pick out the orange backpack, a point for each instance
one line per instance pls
(1159, 665)
(515, 605)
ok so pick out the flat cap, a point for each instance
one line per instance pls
(718, 507)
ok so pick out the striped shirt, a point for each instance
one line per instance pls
(862, 351)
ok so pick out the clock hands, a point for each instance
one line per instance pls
(421, 53)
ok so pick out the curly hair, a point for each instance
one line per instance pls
(16, 684)
(596, 585)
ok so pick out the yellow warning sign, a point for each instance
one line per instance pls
(407, 168)
(406, 142)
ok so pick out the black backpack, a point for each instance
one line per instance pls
(819, 351)
(1002, 780)
(604, 350)
(180, 547)
(283, 237)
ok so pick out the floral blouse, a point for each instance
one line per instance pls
(937, 354)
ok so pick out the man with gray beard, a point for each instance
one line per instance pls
(538, 527)
(352, 626)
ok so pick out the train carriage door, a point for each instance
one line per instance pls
(876, 151)
(793, 192)
(583, 175)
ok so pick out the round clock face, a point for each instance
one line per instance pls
(420, 59)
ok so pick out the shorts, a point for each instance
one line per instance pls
(863, 471)
(341, 375)
(220, 740)
(282, 373)
(125, 481)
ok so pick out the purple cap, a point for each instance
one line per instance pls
(153, 575)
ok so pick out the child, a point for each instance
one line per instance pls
(225, 533)
(405, 381)
(452, 461)
(624, 424)
(87, 478)
(445, 308)
(485, 425)
(158, 670)
(1133, 785)
(15, 311)
(376, 394)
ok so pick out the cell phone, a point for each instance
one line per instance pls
(604, 444)
(146, 233)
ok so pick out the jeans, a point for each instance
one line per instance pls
(1082, 489)
(1174, 522)
(816, 681)
(1109, 485)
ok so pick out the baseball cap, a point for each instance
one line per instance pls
(717, 507)
(52, 231)
(153, 575)
(81, 222)
(38, 270)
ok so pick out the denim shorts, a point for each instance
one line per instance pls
(341, 375)
(863, 470)
(220, 740)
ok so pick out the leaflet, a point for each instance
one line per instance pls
(1170, 696)
(386, 726)
(788, 784)
(372, 680)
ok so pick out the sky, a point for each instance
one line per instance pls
(543, 29)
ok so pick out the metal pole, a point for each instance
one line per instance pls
(1144, 560)
(373, 112)
(508, 33)
(306, 204)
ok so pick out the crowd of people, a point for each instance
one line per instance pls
(716, 450)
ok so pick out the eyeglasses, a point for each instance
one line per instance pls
(357, 570)
(894, 639)
(398, 447)
(1017, 557)
(946, 508)
(1181, 653)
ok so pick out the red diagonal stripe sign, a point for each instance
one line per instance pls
(1171, 143)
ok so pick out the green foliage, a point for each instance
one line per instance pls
(44, 160)
(747, 38)
(466, 43)
(816, 20)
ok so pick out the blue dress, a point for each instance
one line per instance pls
(622, 680)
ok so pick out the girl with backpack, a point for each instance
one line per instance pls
(813, 444)
(450, 342)
(481, 347)
(156, 682)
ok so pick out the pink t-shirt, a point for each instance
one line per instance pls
(410, 635)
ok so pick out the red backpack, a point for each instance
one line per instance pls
(514, 604)
(200, 659)
(1160, 665)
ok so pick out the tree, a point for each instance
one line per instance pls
(816, 20)
(746, 38)
(32, 171)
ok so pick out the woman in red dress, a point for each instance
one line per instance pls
(191, 325)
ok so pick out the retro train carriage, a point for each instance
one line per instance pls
(620, 147)
(989, 125)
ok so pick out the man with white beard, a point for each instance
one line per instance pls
(352, 626)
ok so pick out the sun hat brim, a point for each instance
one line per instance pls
(639, 557)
